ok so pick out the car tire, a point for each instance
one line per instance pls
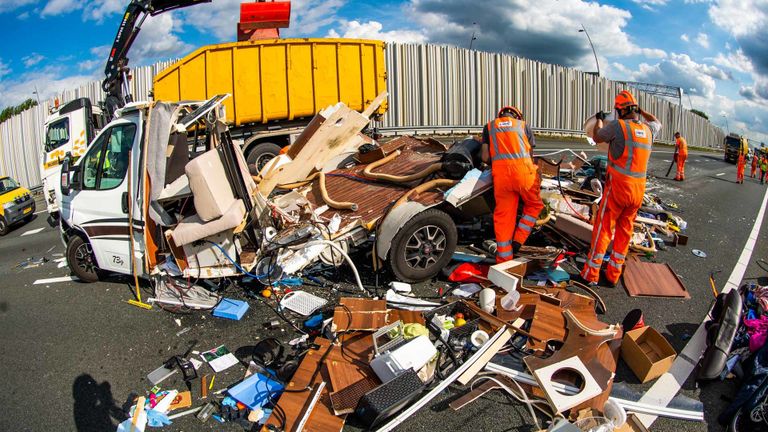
(423, 246)
(81, 260)
(260, 154)
(3, 226)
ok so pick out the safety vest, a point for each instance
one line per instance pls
(682, 146)
(509, 143)
(632, 165)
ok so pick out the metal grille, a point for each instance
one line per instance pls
(433, 89)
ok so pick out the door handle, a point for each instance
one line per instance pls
(125, 202)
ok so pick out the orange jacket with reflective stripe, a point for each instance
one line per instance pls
(632, 165)
(509, 148)
(682, 146)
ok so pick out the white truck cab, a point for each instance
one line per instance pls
(68, 129)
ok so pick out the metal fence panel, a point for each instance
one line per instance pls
(433, 88)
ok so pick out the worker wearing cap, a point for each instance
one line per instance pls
(681, 153)
(630, 142)
(507, 146)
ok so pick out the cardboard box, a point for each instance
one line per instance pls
(647, 353)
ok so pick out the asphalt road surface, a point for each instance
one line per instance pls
(74, 353)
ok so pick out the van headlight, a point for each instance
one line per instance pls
(8, 205)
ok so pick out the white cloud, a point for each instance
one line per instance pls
(373, 30)
(157, 40)
(48, 81)
(11, 5)
(651, 5)
(684, 37)
(309, 16)
(680, 70)
(4, 69)
(219, 18)
(32, 59)
(703, 40)
(546, 30)
(735, 60)
(56, 7)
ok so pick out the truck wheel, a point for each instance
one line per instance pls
(81, 260)
(423, 246)
(260, 154)
(3, 226)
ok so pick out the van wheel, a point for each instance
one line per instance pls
(3, 226)
(260, 154)
(423, 246)
(81, 260)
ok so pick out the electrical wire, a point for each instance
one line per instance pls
(346, 258)
(522, 397)
(237, 266)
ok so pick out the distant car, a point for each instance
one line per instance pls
(16, 204)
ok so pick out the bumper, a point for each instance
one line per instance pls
(19, 211)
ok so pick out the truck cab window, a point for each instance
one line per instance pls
(57, 135)
(106, 163)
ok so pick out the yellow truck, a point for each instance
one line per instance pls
(16, 204)
(277, 85)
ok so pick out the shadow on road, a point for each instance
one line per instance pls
(94, 409)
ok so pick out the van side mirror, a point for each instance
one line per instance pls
(66, 185)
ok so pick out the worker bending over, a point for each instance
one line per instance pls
(754, 164)
(681, 152)
(630, 141)
(507, 146)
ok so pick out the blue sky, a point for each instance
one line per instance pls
(717, 50)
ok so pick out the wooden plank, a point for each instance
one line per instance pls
(291, 404)
(652, 279)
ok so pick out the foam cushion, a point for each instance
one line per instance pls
(194, 228)
(210, 187)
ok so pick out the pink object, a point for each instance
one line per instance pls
(758, 332)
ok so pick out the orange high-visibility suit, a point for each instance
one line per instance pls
(740, 169)
(515, 178)
(622, 198)
(682, 155)
(754, 165)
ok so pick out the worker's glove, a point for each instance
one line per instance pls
(157, 419)
(600, 115)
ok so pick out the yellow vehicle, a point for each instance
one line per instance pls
(277, 85)
(16, 204)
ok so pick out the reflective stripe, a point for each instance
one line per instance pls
(503, 254)
(603, 204)
(615, 265)
(519, 129)
(523, 227)
(626, 172)
(503, 244)
(619, 256)
(504, 156)
(593, 265)
(530, 219)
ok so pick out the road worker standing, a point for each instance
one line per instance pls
(754, 163)
(681, 150)
(507, 146)
(742, 161)
(630, 141)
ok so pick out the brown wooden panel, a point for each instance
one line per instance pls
(652, 279)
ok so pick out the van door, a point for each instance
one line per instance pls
(99, 206)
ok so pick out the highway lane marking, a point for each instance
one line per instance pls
(55, 280)
(41, 211)
(34, 231)
(720, 174)
(669, 384)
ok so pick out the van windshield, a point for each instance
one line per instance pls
(57, 134)
(732, 142)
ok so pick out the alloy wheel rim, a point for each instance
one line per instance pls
(425, 247)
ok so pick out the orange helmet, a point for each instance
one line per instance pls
(624, 100)
(511, 110)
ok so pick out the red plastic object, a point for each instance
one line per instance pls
(265, 15)
(256, 34)
(470, 272)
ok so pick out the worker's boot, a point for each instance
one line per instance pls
(516, 248)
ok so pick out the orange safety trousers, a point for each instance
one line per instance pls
(509, 190)
(754, 166)
(616, 213)
(740, 169)
(681, 157)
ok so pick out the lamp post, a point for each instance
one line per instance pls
(726, 124)
(473, 35)
(37, 94)
(584, 30)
